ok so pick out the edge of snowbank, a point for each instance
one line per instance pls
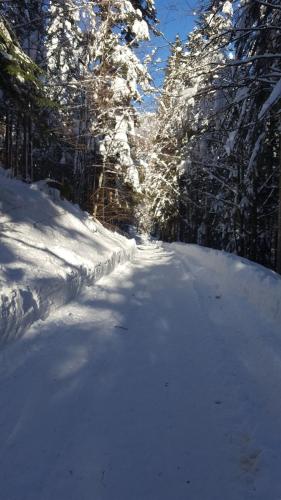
(259, 285)
(67, 264)
(24, 305)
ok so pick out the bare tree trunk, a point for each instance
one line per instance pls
(8, 141)
(103, 184)
(16, 162)
(30, 148)
(25, 149)
(278, 266)
(97, 196)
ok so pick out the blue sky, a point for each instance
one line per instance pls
(176, 16)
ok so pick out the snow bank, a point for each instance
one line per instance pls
(49, 249)
(258, 285)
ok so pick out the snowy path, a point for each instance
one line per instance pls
(151, 386)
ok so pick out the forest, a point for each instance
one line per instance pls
(202, 167)
(140, 249)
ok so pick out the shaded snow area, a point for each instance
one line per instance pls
(161, 382)
(49, 249)
(258, 285)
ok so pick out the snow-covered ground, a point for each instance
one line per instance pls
(49, 249)
(161, 382)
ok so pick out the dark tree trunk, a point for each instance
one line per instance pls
(278, 266)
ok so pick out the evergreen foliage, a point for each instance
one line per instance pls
(219, 120)
(82, 132)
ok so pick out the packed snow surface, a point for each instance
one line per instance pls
(161, 382)
(49, 249)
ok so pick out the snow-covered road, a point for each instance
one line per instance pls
(153, 385)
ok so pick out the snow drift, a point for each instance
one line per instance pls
(232, 274)
(49, 249)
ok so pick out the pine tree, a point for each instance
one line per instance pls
(255, 122)
(224, 126)
(23, 93)
(119, 74)
(191, 103)
(164, 167)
